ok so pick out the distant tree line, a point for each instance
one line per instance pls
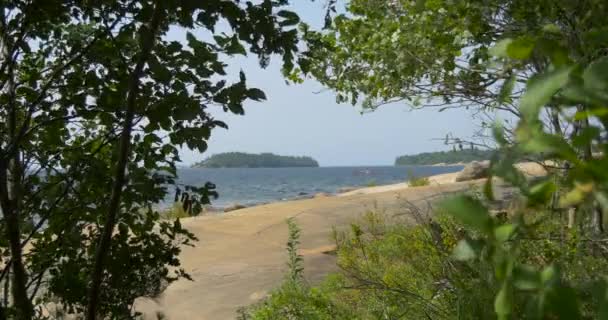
(454, 156)
(249, 160)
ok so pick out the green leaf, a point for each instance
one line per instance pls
(500, 49)
(521, 48)
(551, 28)
(541, 193)
(507, 90)
(471, 212)
(498, 132)
(595, 75)
(256, 94)
(504, 232)
(534, 140)
(563, 301)
(502, 303)
(577, 195)
(597, 36)
(467, 249)
(235, 47)
(526, 278)
(541, 89)
(290, 18)
(549, 275)
(600, 295)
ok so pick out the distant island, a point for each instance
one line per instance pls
(249, 160)
(444, 157)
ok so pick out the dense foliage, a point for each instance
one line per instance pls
(437, 53)
(546, 62)
(394, 270)
(248, 160)
(95, 101)
(445, 157)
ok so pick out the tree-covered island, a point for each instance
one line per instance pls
(249, 160)
(444, 157)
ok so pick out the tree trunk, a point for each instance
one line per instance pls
(571, 217)
(597, 219)
(148, 37)
(10, 188)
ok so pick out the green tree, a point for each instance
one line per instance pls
(438, 53)
(95, 101)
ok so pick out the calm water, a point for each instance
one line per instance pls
(260, 185)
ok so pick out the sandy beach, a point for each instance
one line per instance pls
(241, 255)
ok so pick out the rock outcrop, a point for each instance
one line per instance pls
(233, 207)
(473, 171)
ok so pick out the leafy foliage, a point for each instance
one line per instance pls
(295, 299)
(248, 160)
(583, 188)
(95, 102)
(443, 53)
(392, 269)
(294, 262)
(543, 259)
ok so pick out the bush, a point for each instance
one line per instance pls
(174, 212)
(414, 181)
(294, 299)
(394, 270)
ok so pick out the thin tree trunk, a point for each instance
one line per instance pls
(597, 218)
(148, 37)
(5, 293)
(571, 217)
(10, 191)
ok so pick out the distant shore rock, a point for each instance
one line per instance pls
(322, 195)
(474, 170)
(234, 207)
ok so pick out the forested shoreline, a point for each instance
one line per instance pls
(249, 160)
(444, 157)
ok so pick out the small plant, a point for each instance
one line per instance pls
(372, 183)
(295, 299)
(415, 181)
(174, 212)
(294, 262)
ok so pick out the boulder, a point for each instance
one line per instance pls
(473, 171)
(233, 207)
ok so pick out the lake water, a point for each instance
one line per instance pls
(250, 186)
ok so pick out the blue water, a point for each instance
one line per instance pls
(250, 186)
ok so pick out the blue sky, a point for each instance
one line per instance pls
(298, 120)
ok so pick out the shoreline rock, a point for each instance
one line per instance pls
(474, 170)
(233, 207)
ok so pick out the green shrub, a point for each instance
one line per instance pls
(392, 269)
(174, 212)
(414, 181)
(294, 299)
